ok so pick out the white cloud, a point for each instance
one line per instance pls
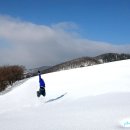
(35, 45)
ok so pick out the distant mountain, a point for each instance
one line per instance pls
(33, 72)
(110, 57)
(76, 63)
(39, 68)
(87, 61)
(81, 62)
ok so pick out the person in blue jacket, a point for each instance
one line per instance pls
(42, 90)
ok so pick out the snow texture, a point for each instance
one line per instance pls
(89, 98)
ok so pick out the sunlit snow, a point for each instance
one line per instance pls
(88, 98)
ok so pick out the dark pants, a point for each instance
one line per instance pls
(42, 92)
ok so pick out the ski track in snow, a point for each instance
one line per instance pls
(89, 98)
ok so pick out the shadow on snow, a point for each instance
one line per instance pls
(54, 99)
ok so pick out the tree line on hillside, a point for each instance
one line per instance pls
(110, 57)
(9, 75)
(82, 62)
(76, 63)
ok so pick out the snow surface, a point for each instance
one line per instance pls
(89, 98)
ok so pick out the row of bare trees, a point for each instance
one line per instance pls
(10, 74)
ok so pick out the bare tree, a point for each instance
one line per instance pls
(10, 74)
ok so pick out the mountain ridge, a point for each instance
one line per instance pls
(87, 61)
(83, 62)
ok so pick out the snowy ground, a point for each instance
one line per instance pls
(89, 98)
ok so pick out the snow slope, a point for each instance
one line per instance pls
(89, 98)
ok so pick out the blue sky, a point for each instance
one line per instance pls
(102, 20)
(96, 21)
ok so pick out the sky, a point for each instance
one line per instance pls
(38, 33)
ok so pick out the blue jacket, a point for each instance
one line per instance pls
(41, 81)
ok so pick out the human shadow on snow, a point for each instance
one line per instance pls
(54, 99)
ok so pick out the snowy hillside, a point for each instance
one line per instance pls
(89, 98)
